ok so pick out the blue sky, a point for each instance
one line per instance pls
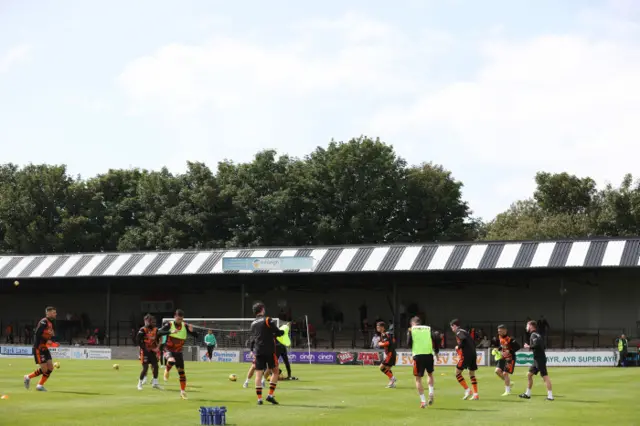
(493, 90)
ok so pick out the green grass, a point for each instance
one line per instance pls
(92, 393)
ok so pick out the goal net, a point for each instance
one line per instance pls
(231, 333)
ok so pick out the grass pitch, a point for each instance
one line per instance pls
(93, 393)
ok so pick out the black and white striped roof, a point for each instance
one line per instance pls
(425, 257)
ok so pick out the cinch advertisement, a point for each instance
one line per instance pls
(302, 357)
(602, 358)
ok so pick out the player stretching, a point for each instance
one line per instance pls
(466, 349)
(424, 344)
(264, 331)
(176, 332)
(148, 341)
(44, 333)
(507, 363)
(539, 361)
(388, 343)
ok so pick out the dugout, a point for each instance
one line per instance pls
(587, 290)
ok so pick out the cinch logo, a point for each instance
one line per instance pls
(307, 357)
(327, 357)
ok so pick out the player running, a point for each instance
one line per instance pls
(388, 343)
(148, 341)
(44, 334)
(424, 344)
(264, 331)
(466, 349)
(176, 332)
(507, 363)
(536, 344)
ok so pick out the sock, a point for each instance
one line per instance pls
(183, 380)
(272, 388)
(462, 382)
(549, 394)
(474, 384)
(35, 373)
(259, 393)
(507, 388)
(155, 372)
(44, 378)
(528, 392)
(423, 398)
(389, 374)
(430, 390)
(143, 374)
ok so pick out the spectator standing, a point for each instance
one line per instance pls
(622, 344)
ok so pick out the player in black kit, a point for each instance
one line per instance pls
(536, 344)
(264, 331)
(468, 360)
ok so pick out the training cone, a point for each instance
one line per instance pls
(285, 339)
(4, 397)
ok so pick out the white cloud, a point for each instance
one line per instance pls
(14, 56)
(563, 102)
(557, 103)
(349, 55)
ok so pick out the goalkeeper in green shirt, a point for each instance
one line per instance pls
(424, 346)
(210, 342)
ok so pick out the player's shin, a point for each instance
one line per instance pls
(183, 379)
(474, 384)
(430, 382)
(143, 373)
(461, 380)
(36, 373)
(155, 371)
(499, 373)
(45, 377)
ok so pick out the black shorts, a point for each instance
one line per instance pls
(265, 362)
(539, 366)
(210, 349)
(281, 352)
(177, 356)
(467, 362)
(422, 363)
(507, 366)
(389, 359)
(148, 357)
(42, 356)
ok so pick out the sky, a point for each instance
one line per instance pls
(493, 90)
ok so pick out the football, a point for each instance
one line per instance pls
(233, 377)
(56, 365)
(116, 366)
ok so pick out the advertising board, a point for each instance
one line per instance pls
(60, 352)
(220, 356)
(301, 357)
(447, 357)
(567, 358)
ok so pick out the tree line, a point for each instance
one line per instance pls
(354, 192)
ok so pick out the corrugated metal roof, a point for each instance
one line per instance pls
(481, 256)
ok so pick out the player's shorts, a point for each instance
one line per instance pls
(210, 350)
(422, 363)
(539, 366)
(467, 362)
(177, 356)
(507, 366)
(42, 355)
(389, 359)
(281, 352)
(148, 357)
(265, 362)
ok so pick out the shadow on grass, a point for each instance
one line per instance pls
(213, 402)
(84, 393)
(466, 410)
(339, 407)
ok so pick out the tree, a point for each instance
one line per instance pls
(34, 202)
(563, 193)
(433, 207)
(357, 188)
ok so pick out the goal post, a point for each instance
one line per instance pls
(230, 333)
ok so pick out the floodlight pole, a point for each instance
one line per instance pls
(242, 300)
(108, 330)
